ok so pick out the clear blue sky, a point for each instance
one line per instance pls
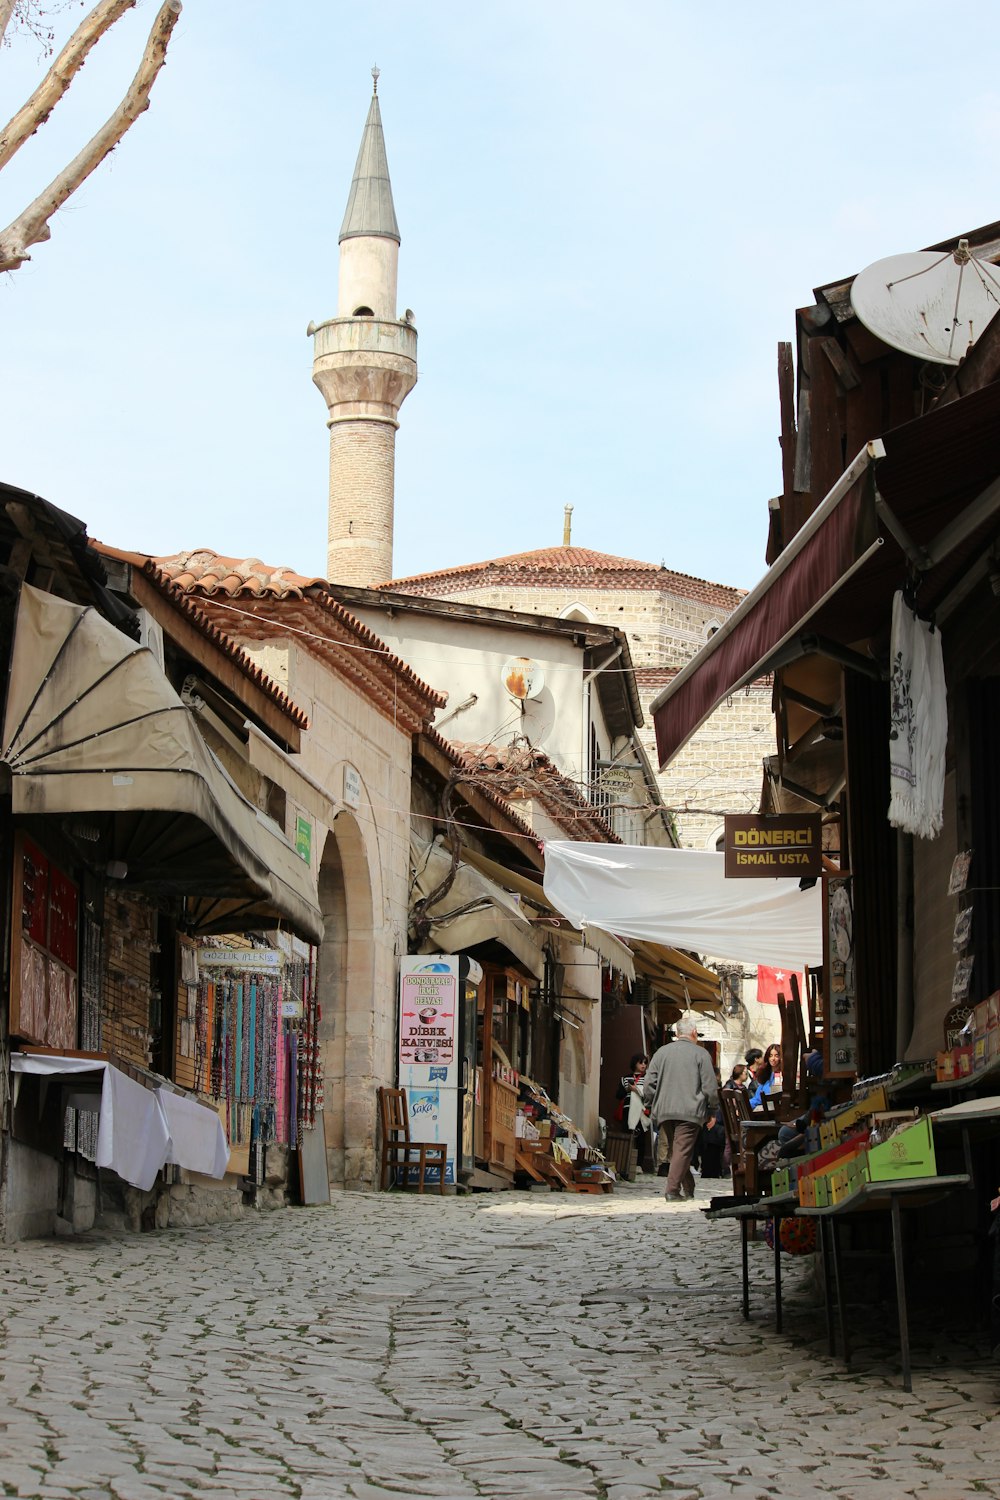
(608, 216)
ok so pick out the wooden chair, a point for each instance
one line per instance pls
(399, 1152)
(731, 1121)
(817, 1024)
(749, 1133)
(619, 1148)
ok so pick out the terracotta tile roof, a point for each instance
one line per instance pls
(579, 567)
(206, 572)
(211, 631)
(370, 665)
(454, 754)
(529, 771)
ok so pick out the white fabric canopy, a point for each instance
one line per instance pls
(139, 1130)
(681, 897)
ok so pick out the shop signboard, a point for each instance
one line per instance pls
(352, 787)
(784, 845)
(428, 1007)
(429, 1065)
(260, 960)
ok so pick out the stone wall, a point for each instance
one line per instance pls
(362, 866)
(720, 769)
(663, 628)
(362, 459)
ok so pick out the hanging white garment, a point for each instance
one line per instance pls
(636, 1113)
(918, 732)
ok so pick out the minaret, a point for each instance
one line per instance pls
(365, 364)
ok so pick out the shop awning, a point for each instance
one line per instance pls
(473, 910)
(674, 973)
(923, 499)
(674, 896)
(94, 732)
(683, 979)
(140, 1129)
(614, 952)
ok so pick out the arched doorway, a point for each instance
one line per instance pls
(344, 984)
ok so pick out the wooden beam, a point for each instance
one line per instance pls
(846, 373)
(786, 401)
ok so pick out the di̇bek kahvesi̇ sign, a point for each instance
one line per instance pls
(427, 1011)
(788, 844)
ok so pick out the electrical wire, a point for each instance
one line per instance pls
(386, 651)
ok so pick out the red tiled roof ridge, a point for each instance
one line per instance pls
(581, 819)
(206, 573)
(202, 569)
(571, 560)
(186, 605)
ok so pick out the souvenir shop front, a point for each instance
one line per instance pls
(127, 849)
(247, 1038)
(485, 1059)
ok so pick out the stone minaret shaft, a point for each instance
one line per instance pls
(365, 364)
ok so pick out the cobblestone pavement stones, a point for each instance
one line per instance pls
(507, 1345)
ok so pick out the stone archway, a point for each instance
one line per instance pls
(344, 984)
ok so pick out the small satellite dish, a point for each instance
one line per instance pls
(929, 305)
(522, 677)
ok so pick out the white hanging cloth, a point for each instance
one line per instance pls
(681, 898)
(918, 730)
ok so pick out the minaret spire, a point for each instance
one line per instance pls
(365, 364)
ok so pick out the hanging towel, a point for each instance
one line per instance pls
(918, 730)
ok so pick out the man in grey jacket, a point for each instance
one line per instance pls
(682, 1095)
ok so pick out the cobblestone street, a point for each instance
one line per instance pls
(503, 1345)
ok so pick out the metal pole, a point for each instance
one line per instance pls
(904, 1326)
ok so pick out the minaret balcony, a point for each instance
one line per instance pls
(365, 335)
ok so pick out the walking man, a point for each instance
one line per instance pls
(681, 1094)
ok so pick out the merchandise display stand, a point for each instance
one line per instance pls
(879, 1197)
(873, 1197)
(776, 1208)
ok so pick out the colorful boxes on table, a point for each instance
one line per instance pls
(847, 1119)
(907, 1154)
(814, 1183)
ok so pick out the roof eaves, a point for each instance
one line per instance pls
(212, 632)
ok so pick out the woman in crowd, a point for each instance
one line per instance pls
(633, 1116)
(739, 1078)
(766, 1077)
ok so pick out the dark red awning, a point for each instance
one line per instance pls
(838, 574)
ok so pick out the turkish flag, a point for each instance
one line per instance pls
(774, 982)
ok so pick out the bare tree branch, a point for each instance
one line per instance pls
(32, 226)
(6, 15)
(36, 110)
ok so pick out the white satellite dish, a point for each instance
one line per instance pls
(522, 677)
(926, 304)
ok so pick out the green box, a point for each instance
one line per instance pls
(908, 1153)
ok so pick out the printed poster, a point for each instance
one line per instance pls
(428, 1011)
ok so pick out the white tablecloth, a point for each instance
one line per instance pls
(140, 1130)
